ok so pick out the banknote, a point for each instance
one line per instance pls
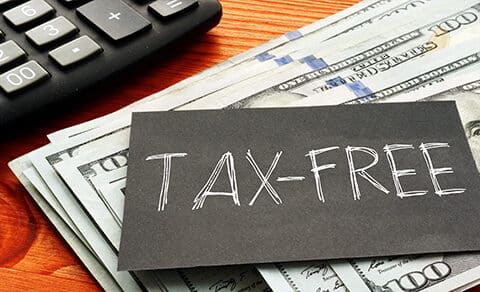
(414, 273)
(81, 172)
(348, 33)
(92, 175)
(417, 73)
(114, 155)
(365, 46)
(260, 59)
(460, 84)
(45, 158)
(65, 197)
(441, 273)
(22, 165)
(148, 282)
(86, 175)
(164, 105)
(38, 190)
(91, 187)
(383, 21)
(437, 34)
(315, 276)
(151, 281)
(89, 231)
(100, 240)
(102, 213)
(465, 90)
(308, 37)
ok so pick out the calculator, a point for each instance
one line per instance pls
(52, 50)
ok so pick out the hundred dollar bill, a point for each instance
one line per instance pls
(312, 276)
(88, 230)
(298, 50)
(415, 273)
(165, 104)
(346, 34)
(115, 159)
(21, 166)
(367, 46)
(383, 23)
(46, 157)
(470, 86)
(38, 190)
(51, 179)
(95, 238)
(103, 215)
(462, 59)
(437, 34)
(440, 273)
(465, 90)
(260, 59)
(51, 155)
(100, 178)
(453, 87)
(95, 266)
(80, 174)
(449, 272)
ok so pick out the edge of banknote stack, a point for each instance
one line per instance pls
(375, 51)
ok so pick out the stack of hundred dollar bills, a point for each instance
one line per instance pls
(375, 51)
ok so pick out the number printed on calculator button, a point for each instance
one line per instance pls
(167, 8)
(22, 76)
(114, 18)
(75, 51)
(10, 52)
(51, 31)
(28, 12)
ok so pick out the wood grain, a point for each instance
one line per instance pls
(33, 257)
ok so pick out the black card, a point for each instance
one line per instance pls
(211, 188)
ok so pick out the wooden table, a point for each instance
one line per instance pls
(33, 256)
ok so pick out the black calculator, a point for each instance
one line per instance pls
(51, 50)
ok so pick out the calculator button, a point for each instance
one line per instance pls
(167, 8)
(51, 31)
(10, 52)
(75, 51)
(113, 17)
(22, 76)
(28, 12)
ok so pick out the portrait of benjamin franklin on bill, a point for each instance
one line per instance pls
(468, 104)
